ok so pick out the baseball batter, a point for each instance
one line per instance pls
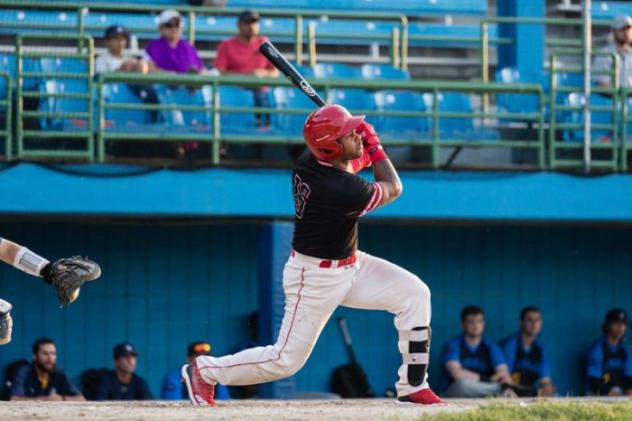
(65, 275)
(326, 269)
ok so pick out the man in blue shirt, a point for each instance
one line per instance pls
(609, 359)
(172, 386)
(123, 384)
(475, 366)
(526, 359)
(42, 380)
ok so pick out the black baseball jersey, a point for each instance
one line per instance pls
(328, 202)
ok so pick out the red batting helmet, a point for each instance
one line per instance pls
(325, 126)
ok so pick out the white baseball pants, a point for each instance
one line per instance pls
(312, 293)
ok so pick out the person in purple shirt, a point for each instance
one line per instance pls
(170, 52)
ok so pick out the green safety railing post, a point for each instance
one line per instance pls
(541, 141)
(624, 128)
(19, 100)
(311, 39)
(101, 121)
(298, 39)
(81, 11)
(8, 125)
(404, 44)
(552, 110)
(191, 27)
(395, 58)
(484, 51)
(216, 124)
(435, 128)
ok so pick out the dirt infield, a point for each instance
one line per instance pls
(252, 410)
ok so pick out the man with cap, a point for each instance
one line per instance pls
(240, 54)
(170, 52)
(609, 359)
(619, 44)
(116, 40)
(172, 386)
(123, 384)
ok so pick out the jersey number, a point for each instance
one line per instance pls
(301, 192)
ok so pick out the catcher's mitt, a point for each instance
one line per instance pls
(68, 275)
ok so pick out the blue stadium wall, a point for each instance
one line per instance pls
(166, 284)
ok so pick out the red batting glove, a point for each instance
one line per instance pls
(361, 163)
(371, 142)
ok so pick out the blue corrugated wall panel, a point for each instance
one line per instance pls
(162, 287)
(166, 285)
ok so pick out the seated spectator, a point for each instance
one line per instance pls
(123, 384)
(115, 59)
(240, 55)
(609, 359)
(526, 359)
(475, 366)
(170, 52)
(42, 380)
(172, 386)
(618, 44)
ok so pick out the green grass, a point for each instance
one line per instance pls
(558, 410)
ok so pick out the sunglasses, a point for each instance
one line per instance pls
(173, 24)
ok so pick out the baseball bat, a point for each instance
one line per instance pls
(280, 62)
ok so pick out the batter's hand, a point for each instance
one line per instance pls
(371, 142)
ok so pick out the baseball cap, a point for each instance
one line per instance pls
(198, 348)
(249, 16)
(621, 21)
(123, 350)
(115, 30)
(616, 315)
(168, 15)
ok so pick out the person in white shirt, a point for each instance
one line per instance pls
(115, 59)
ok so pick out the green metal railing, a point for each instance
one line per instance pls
(626, 118)
(216, 135)
(399, 45)
(7, 107)
(556, 110)
(85, 53)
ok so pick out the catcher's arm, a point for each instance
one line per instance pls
(65, 275)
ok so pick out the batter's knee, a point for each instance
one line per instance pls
(421, 291)
(290, 363)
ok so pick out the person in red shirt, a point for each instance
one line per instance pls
(240, 55)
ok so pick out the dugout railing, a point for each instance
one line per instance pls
(438, 137)
(625, 95)
(6, 114)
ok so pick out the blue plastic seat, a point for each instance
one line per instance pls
(335, 71)
(596, 117)
(449, 127)
(409, 128)
(383, 71)
(190, 121)
(60, 104)
(515, 102)
(236, 122)
(355, 100)
(135, 119)
(63, 65)
(7, 64)
(285, 98)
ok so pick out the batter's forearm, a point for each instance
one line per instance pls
(386, 174)
(8, 251)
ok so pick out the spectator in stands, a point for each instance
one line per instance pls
(240, 55)
(525, 356)
(172, 386)
(475, 366)
(170, 52)
(620, 45)
(115, 60)
(123, 384)
(609, 359)
(42, 380)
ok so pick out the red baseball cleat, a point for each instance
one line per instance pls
(200, 392)
(422, 397)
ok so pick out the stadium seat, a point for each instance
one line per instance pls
(135, 119)
(401, 128)
(60, 104)
(452, 128)
(190, 121)
(515, 102)
(597, 117)
(236, 122)
(7, 64)
(355, 100)
(335, 71)
(383, 71)
(284, 98)
(63, 65)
